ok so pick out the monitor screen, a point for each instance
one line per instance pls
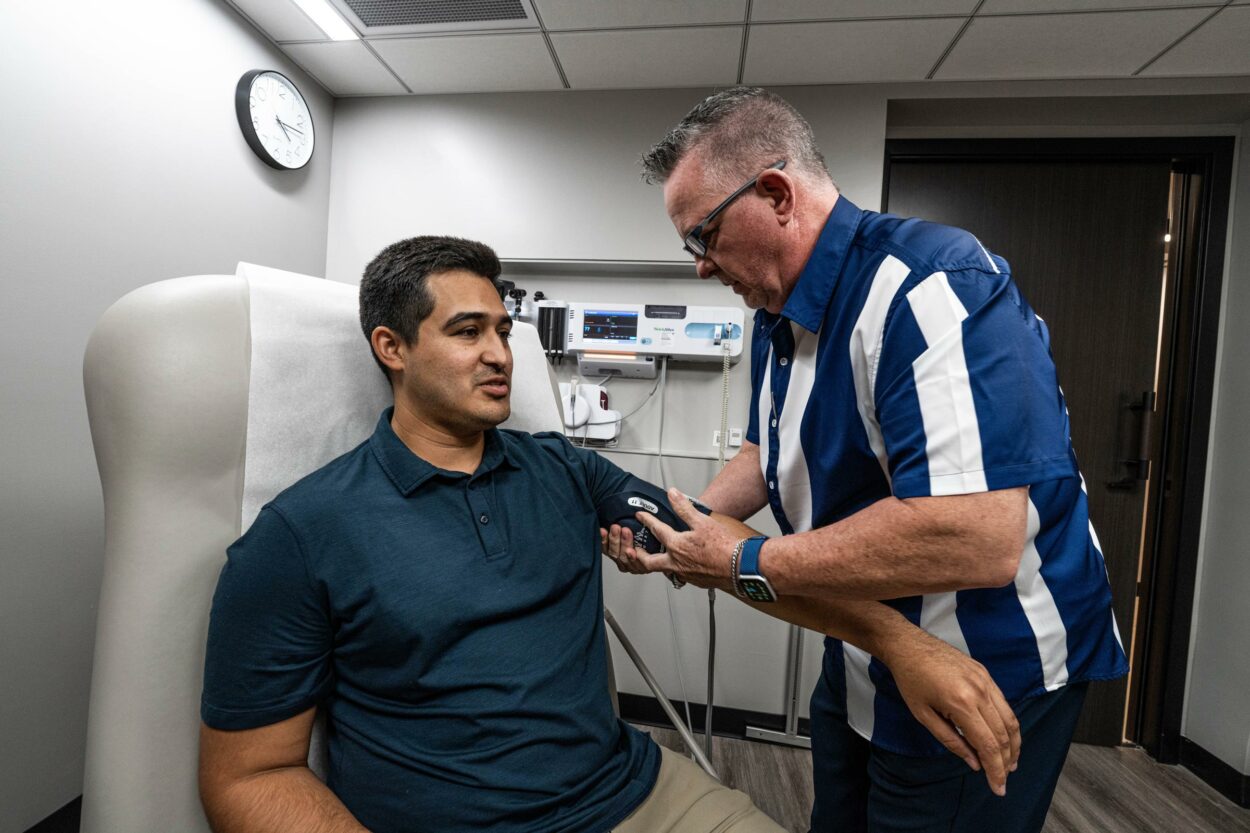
(610, 325)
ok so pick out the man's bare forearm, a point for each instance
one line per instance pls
(738, 490)
(289, 800)
(872, 626)
(895, 548)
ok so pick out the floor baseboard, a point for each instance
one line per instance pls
(1234, 785)
(65, 820)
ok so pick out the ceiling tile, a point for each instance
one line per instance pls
(606, 14)
(1221, 46)
(345, 67)
(1098, 44)
(852, 9)
(472, 63)
(841, 53)
(281, 20)
(1014, 6)
(686, 57)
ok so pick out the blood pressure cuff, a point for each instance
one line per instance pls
(640, 496)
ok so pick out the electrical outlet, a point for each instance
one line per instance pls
(735, 438)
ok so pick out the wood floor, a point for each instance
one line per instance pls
(1101, 790)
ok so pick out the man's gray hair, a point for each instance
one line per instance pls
(739, 132)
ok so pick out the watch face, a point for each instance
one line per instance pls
(757, 589)
(275, 119)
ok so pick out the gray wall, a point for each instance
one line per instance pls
(1217, 705)
(555, 176)
(123, 164)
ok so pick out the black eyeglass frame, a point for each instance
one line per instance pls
(693, 242)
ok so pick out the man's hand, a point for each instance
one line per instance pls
(700, 556)
(954, 697)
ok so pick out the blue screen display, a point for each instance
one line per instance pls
(610, 325)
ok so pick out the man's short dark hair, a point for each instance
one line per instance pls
(739, 132)
(394, 291)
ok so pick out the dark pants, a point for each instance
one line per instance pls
(862, 788)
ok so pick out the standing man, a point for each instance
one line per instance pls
(908, 432)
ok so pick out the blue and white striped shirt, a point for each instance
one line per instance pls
(905, 362)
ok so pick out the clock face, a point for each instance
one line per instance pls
(275, 119)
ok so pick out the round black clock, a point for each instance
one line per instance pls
(274, 119)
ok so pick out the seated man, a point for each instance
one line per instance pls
(437, 593)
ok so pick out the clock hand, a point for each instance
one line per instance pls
(282, 127)
(286, 126)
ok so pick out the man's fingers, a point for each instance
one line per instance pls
(999, 726)
(988, 747)
(1013, 728)
(618, 544)
(662, 531)
(659, 562)
(682, 506)
(948, 736)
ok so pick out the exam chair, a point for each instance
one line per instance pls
(180, 379)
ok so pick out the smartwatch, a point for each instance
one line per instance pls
(751, 584)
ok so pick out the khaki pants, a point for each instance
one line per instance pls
(687, 800)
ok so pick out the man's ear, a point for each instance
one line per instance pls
(389, 347)
(778, 188)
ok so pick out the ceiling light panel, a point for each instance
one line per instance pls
(581, 14)
(377, 18)
(650, 58)
(854, 52)
(1094, 45)
(471, 63)
(281, 20)
(1219, 47)
(763, 10)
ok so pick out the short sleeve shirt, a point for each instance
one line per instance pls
(451, 627)
(906, 363)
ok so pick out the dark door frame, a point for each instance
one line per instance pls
(1166, 591)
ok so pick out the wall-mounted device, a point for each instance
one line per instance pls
(586, 413)
(552, 323)
(626, 339)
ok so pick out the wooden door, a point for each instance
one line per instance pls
(1085, 240)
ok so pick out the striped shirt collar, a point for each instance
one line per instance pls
(809, 300)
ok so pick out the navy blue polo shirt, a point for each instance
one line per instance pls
(451, 627)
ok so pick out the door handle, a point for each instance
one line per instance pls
(1145, 409)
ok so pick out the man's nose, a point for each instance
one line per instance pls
(495, 352)
(705, 267)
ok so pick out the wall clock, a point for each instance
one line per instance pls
(274, 119)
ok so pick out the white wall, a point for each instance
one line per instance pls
(1217, 706)
(555, 176)
(123, 164)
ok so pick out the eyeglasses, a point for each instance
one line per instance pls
(693, 242)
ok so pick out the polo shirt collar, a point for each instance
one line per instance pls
(408, 471)
(809, 300)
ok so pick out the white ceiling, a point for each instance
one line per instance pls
(631, 44)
